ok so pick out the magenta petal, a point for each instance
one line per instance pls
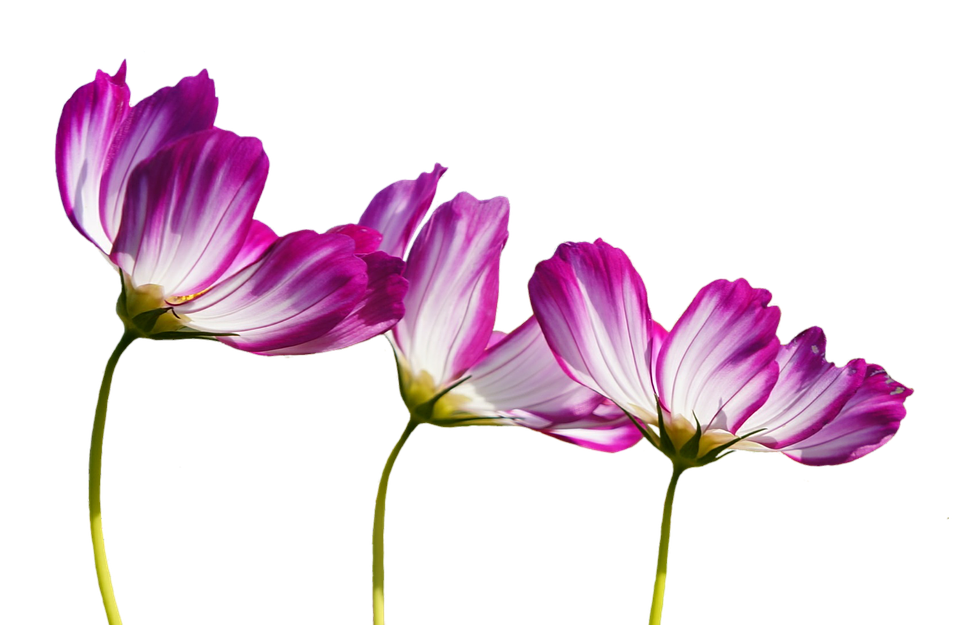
(380, 308)
(453, 270)
(188, 210)
(259, 238)
(865, 423)
(90, 120)
(169, 114)
(299, 290)
(607, 429)
(366, 239)
(718, 362)
(592, 306)
(397, 210)
(808, 394)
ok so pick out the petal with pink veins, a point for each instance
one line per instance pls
(168, 115)
(718, 363)
(865, 423)
(592, 306)
(380, 308)
(397, 210)
(520, 376)
(188, 211)
(90, 120)
(259, 238)
(453, 270)
(607, 429)
(299, 290)
(808, 394)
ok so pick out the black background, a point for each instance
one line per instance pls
(241, 488)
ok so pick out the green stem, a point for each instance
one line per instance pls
(96, 456)
(378, 526)
(656, 607)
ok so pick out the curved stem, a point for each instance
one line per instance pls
(656, 607)
(96, 454)
(378, 526)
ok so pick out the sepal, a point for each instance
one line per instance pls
(688, 455)
(691, 449)
(717, 452)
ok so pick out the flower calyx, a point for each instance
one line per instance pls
(146, 314)
(689, 454)
(427, 406)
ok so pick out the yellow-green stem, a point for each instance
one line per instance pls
(96, 456)
(378, 517)
(656, 607)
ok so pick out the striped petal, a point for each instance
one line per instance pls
(607, 429)
(259, 238)
(396, 211)
(298, 291)
(520, 378)
(90, 120)
(188, 210)
(378, 310)
(169, 114)
(718, 363)
(865, 423)
(808, 394)
(592, 306)
(453, 270)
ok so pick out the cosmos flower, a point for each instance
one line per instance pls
(169, 199)
(454, 368)
(721, 370)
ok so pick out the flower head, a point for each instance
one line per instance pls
(169, 199)
(720, 378)
(454, 368)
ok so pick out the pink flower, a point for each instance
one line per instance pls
(454, 369)
(169, 199)
(720, 378)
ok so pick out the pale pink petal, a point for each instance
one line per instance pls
(169, 114)
(90, 120)
(453, 270)
(592, 306)
(718, 362)
(520, 376)
(808, 394)
(296, 292)
(188, 210)
(865, 423)
(396, 211)
(380, 308)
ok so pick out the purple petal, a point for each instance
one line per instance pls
(592, 306)
(718, 363)
(380, 308)
(608, 429)
(809, 392)
(453, 270)
(520, 377)
(866, 422)
(259, 238)
(169, 114)
(90, 120)
(396, 211)
(298, 291)
(366, 239)
(188, 210)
